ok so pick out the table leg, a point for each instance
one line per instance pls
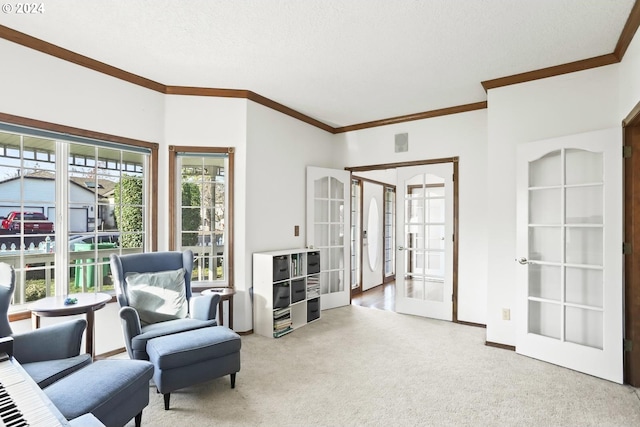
(89, 343)
(221, 312)
(35, 321)
(231, 313)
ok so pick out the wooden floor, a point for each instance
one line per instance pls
(382, 297)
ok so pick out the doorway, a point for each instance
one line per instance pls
(385, 295)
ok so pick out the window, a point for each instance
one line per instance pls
(356, 186)
(201, 200)
(51, 217)
(389, 232)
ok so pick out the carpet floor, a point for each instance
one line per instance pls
(358, 366)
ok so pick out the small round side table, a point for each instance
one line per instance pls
(87, 303)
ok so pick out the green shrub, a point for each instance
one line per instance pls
(35, 290)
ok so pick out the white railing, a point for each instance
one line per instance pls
(81, 260)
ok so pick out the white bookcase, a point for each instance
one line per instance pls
(286, 290)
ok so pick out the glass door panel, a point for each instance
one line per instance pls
(544, 319)
(584, 205)
(584, 246)
(545, 244)
(584, 327)
(583, 167)
(545, 281)
(546, 171)
(584, 286)
(545, 206)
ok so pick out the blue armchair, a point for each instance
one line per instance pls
(47, 354)
(201, 310)
(164, 324)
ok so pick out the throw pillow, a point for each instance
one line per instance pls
(157, 296)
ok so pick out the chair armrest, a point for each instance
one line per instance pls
(58, 341)
(204, 307)
(130, 326)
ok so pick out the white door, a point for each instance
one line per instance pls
(569, 245)
(372, 235)
(424, 276)
(328, 228)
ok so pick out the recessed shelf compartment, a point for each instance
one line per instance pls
(298, 290)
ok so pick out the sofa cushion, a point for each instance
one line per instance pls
(159, 296)
(191, 347)
(47, 372)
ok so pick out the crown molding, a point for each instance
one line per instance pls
(84, 61)
(290, 112)
(205, 91)
(252, 96)
(557, 70)
(418, 116)
(628, 32)
(626, 36)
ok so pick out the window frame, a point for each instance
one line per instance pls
(72, 134)
(174, 227)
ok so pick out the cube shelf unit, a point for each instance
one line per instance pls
(286, 290)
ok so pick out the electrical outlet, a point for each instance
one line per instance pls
(506, 314)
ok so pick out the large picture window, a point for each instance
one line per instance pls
(66, 204)
(201, 181)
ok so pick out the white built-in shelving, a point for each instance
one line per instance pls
(286, 290)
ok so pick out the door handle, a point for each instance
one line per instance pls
(523, 261)
(401, 248)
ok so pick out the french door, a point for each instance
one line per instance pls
(328, 228)
(569, 245)
(424, 276)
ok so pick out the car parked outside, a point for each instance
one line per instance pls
(34, 222)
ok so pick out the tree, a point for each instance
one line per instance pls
(128, 214)
(191, 220)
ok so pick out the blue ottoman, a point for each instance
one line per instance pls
(192, 357)
(114, 391)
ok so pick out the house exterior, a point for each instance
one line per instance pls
(40, 185)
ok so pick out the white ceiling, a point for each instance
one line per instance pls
(342, 62)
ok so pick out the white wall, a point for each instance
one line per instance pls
(39, 86)
(211, 122)
(463, 135)
(202, 122)
(629, 88)
(279, 148)
(541, 109)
